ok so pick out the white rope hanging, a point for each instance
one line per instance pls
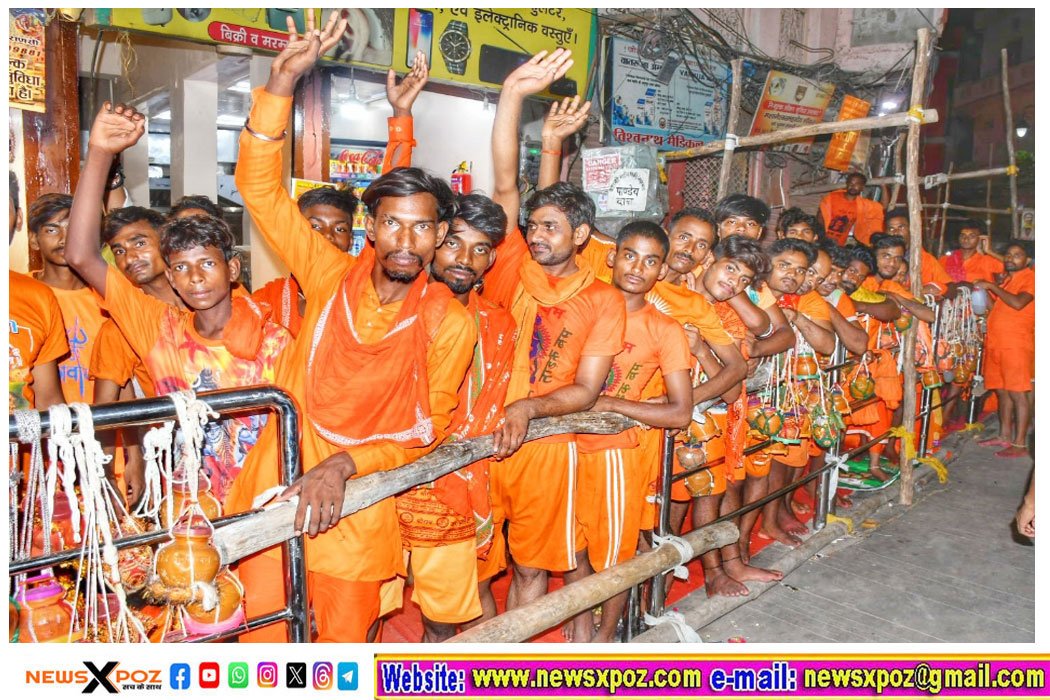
(157, 446)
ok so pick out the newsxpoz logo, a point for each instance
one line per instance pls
(108, 677)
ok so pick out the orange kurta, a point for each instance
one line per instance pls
(1009, 361)
(82, 318)
(596, 252)
(365, 546)
(933, 273)
(36, 335)
(282, 294)
(840, 215)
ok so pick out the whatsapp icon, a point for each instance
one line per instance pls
(238, 674)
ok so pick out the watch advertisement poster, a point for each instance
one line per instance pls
(679, 112)
(26, 87)
(789, 101)
(472, 46)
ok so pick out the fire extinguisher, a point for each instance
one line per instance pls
(461, 179)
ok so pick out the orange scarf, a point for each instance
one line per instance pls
(347, 381)
(736, 415)
(538, 289)
(243, 333)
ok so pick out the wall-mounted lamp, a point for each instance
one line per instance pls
(1022, 127)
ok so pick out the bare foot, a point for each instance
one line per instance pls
(742, 572)
(577, 630)
(776, 533)
(802, 509)
(745, 551)
(790, 524)
(718, 583)
(878, 473)
(843, 500)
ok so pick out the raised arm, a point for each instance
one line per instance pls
(401, 97)
(115, 129)
(529, 78)
(565, 119)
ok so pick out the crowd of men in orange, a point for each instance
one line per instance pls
(457, 322)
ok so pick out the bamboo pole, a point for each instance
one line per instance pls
(898, 163)
(961, 207)
(821, 187)
(867, 123)
(734, 114)
(1010, 147)
(944, 210)
(521, 624)
(988, 196)
(918, 93)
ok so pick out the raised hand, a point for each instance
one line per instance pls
(402, 95)
(301, 53)
(565, 119)
(116, 129)
(537, 74)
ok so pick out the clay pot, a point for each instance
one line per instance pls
(903, 322)
(189, 557)
(931, 379)
(44, 615)
(691, 456)
(824, 432)
(231, 592)
(839, 401)
(862, 387)
(754, 411)
(962, 375)
(790, 430)
(209, 504)
(970, 363)
(701, 483)
(770, 422)
(702, 432)
(805, 367)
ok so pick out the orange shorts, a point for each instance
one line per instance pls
(797, 455)
(611, 487)
(535, 490)
(444, 582)
(650, 449)
(756, 464)
(343, 610)
(495, 559)
(1010, 369)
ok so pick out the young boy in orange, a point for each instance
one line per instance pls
(613, 477)
(1009, 355)
(847, 211)
(844, 314)
(795, 223)
(222, 344)
(374, 334)
(446, 526)
(970, 261)
(36, 336)
(48, 225)
(570, 326)
(935, 281)
(330, 211)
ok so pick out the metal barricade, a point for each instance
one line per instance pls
(153, 410)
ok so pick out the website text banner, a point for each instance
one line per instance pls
(487, 676)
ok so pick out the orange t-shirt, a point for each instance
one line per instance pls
(179, 358)
(813, 306)
(933, 273)
(653, 341)
(36, 335)
(979, 266)
(282, 294)
(861, 215)
(1009, 327)
(113, 359)
(596, 252)
(82, 318)
(364, 546)
(843, 304)
(688, 307)
(873, 326)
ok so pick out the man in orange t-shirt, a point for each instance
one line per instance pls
(570, 327)
(36, 336)
(935, 281)
(346, 362)
(847, 212)
(48, 224)
(1009, 355)
(613, 476)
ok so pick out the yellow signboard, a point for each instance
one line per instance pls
(463, 45)
(26, 86)
(789, 101)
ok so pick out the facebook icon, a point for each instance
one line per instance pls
(180, 676)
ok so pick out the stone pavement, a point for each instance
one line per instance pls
(950, 568)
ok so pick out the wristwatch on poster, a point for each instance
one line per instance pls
(454, 45)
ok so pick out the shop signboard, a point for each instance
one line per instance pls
(26, 87)
(463, 45)
(789, 101)
(660, 102)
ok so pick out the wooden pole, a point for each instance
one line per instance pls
(988, 196)
(944, 209)
(930, 116)
(1010, 147)
(918, 92)
(898, 163)
(821, 187)
(734, 114)
(523, 623)
(962, 207)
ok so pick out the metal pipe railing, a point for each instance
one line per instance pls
(153, 410)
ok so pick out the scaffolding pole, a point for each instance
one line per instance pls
(730, 141)
(1010, 147)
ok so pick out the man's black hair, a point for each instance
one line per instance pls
(745, 251)
(863, 254)
(976, 224)
(117, 219)
(882, 241)
(45, 207)
(794, 215)
(482, 214)
(195, 201)
(742, 205)
(793, 245)
(197, 230)
(405, 182)
(897, 211)
(576, 204)
(645, 229)
(862, 176)
(695, 213)
(343, 200)
(1026, 246)
(12, 190)
(840, 255)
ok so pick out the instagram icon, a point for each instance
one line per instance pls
(322, 675)
(266, 674)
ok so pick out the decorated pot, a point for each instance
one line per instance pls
(691, 456)
(754, 410)
(931, 378)
(903, 322)
(862, 387)
(700, 483)
(209, 504)
(189, 557)
(805, 367)
(839, 401)
(702, 432)
(962, 375)
(770, 422)
(44, 616)
(790, 430)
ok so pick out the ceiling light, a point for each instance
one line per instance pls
(890, 104)
(1021, 129)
